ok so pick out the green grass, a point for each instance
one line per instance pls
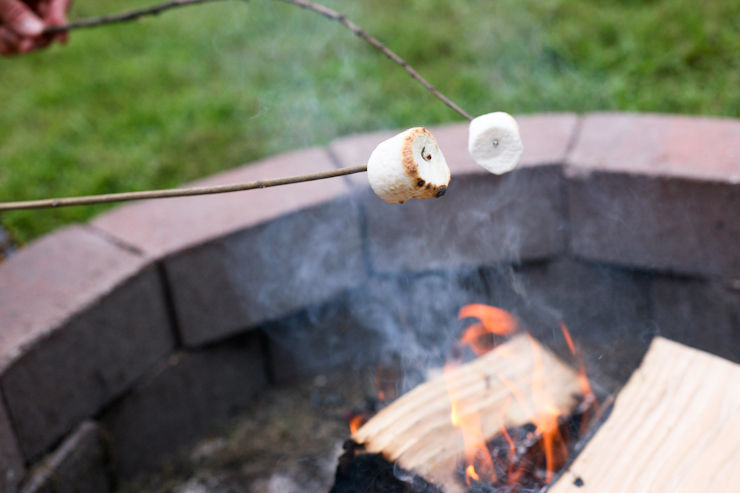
(198, 90)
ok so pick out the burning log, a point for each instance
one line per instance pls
(675, 427)
(416, 445)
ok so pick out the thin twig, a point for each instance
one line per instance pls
(130, 15)
(182, 192)
(177, 192)
(331, 14)
(325, 11)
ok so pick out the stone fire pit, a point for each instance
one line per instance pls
(124, 339)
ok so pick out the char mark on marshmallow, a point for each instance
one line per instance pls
(409, 165)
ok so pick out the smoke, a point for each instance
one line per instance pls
(424, 260)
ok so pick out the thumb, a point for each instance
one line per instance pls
(20, 18)
(57, 15)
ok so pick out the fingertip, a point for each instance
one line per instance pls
(30, 26)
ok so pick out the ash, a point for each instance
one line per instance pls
(288, 442)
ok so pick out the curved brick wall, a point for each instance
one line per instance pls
(126, 337)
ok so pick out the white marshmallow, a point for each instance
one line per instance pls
(494, 142)
(409, 165)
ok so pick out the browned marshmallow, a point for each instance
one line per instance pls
(409, 165)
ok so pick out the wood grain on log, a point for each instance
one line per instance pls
(675, 428)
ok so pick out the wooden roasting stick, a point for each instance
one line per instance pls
(132, 15)
(416, 429)
(675, 428)
(177, 192)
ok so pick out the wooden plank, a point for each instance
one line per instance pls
(675, 428)
(416, 429)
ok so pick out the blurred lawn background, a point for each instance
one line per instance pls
(197, 90)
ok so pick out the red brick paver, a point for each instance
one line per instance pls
(657, 192)
(236, 260)
(161, 227)
(659, 145)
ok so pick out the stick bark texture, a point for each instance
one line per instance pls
(321, 9)
(127, 16)
(157, 194)
(177, 192)
(341, 18)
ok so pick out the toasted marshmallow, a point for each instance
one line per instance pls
(409, 165)
(494, 142)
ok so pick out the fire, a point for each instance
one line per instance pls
(589, 399)
(502, 425)
(471, 474)
(546, 419)
(492, 321)
(454, 417)
(542, 410)
(517, 393)
(356, 422)
(476, 451)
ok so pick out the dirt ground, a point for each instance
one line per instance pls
(288, 442)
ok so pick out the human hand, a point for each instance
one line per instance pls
(22, 24)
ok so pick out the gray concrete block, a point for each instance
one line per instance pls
(181, 400)
(666, 224)
(77, 369)
(266, 272)
(322, 338)
(79, 465)
(483, 219)
(606, 310)
(657, 192)
(412, 318)
(698, 313)
(11, 461)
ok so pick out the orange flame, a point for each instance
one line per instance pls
(568, 338)
(476, 451)
(546, 419)
(586, 391)
(518, 395)
(509, 440)
(356, 422)
(454, 418)
(541, 409)
(492, 321)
